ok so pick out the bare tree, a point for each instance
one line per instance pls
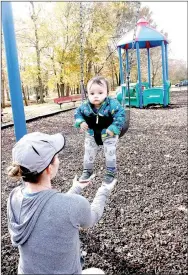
(24, 95)
(156, 63)
(52, 58)
(34, 18)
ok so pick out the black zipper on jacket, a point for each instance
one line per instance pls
(97, 115)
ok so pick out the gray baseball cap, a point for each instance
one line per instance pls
(35, 151)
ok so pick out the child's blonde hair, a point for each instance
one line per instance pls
(100, 80)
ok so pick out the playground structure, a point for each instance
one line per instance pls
(141, 93)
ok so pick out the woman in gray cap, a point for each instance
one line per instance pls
(44, 223)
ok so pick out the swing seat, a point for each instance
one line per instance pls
(126, 125)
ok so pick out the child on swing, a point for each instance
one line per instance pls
(102, 119)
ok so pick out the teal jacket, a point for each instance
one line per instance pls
(111, 116)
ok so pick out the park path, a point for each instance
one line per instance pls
(36, 110)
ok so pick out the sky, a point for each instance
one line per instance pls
(172, 18)
(169, 16)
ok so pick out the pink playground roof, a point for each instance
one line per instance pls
(147, 36)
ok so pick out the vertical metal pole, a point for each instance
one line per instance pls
(167, 76)
(121, 76)
(13, 71)
(139, 75)
(120, 66)
(127, 61)
(149, 70)
(164, 74)
(166, 58)
(127, 93)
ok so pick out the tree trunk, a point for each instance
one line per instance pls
(55, 72)
(117, 79)
(27, 89)
(46, 91)
(25, 98)
(119, 83)
(58, 90)
(3, 90)
(113, 84)
(89, 67)
(112, 71)
(62, 89)
(95, 69)
(34, 19)
(40, 87)
(67, 90)
(153, 80)
(77, 90)
(7, 94)
(115, 73)
(37, 94)
(7, 91)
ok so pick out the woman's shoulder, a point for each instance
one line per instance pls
(16, 191)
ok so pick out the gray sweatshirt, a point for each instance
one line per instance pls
(45, 228)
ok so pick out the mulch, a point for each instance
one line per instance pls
(144, 227)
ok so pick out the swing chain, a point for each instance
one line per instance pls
(81, 55)
(127, 75)
(134, 38)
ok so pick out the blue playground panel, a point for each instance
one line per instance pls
(150, 96)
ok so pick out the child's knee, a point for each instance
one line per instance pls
(110, 141)
(90, 143)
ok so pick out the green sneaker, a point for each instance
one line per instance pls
(108, 178)
(86, 175)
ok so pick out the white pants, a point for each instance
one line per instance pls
(92, 270)
(91, 150)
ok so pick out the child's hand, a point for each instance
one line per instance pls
(110, 133)
(83, 126)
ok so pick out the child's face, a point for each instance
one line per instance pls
(97, 93)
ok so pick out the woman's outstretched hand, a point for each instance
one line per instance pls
(82, 185)
(109, 186)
